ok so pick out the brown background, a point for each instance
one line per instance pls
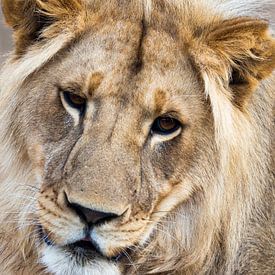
(5, 36)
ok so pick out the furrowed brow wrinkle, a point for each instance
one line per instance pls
(94, 82)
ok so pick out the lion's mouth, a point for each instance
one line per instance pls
(87, 249)
(83, 250)
(84, 245)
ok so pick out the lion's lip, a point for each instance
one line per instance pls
(85, 250)
(89, 250)
(86, 247)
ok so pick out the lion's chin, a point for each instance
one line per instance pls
(61, 261)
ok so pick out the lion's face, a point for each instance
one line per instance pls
(114, 138)
(126, 119)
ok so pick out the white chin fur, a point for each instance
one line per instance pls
(60, 263)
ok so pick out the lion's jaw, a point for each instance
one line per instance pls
(165, 191)
(59, 263)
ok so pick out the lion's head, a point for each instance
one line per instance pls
(129, 133)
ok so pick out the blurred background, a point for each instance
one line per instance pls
(6, 41)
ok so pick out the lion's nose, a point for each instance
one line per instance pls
(91, 216)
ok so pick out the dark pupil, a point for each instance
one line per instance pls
(167, 124)
(77, 100)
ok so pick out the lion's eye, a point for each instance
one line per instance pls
(75, 101)
(165, 125)
(75, 105)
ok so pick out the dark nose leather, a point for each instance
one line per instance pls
(91, 216)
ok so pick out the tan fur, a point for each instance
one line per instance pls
(200, 201)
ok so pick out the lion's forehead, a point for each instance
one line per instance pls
(130, 75)
(129, 66)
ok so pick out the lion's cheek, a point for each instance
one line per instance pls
(37, 158)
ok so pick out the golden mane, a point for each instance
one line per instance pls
(221, 219)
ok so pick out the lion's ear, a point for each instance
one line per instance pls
(29, 18)
(241, 52)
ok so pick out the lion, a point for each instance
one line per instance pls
(137, 138)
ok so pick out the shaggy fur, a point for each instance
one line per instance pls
(198, 201)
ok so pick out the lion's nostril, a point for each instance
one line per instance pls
(92, 217)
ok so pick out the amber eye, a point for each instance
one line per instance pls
(165, 125)
(75, 101)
